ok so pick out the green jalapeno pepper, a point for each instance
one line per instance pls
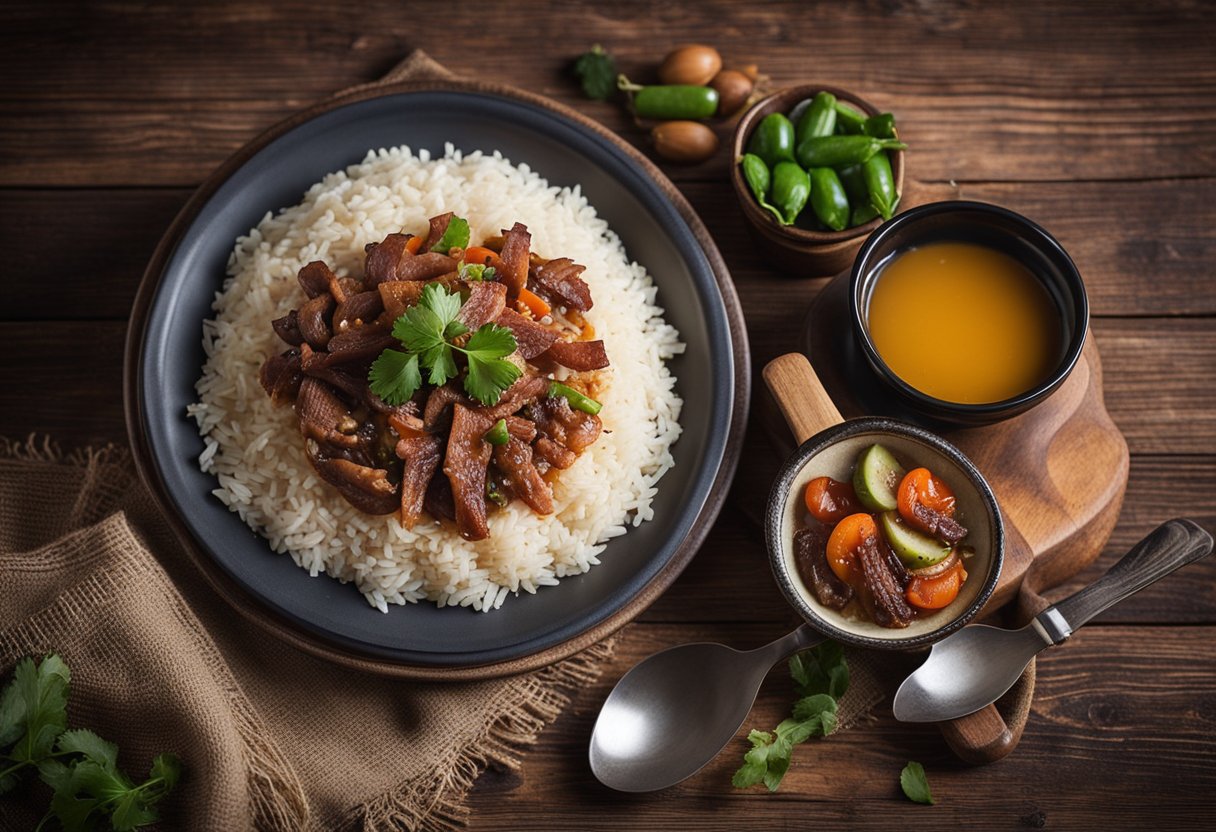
(854, 184)
(834, 151)
(848, 120)
(498, 435)
(880, 184)
(576, 399)
(862, 214)
(791, 189)
(828, 199)
(673, 101)
(881, 126)
(758, 179)
(773, 140)
(819, 118)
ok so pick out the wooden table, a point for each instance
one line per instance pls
(1096, 121)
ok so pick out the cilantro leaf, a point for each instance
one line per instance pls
(820, 675)
(93, 747)
(166, 768)
(915, 784)
(34, 709)
(596, 71)
(456, 235)
(394, 376)
(489, 375)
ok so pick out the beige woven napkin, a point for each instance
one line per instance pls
(270, 738)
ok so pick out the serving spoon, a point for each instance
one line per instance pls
(644, 739)
(972, 668)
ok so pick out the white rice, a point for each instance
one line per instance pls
(256, 451)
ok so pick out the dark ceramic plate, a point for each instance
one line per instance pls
(164, 358)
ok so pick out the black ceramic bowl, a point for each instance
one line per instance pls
(994, 227)
(659, 230)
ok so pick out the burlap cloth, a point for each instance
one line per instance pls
(270, 738)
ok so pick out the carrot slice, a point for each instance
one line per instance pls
(830, 501)
(413, 244)
(481, 256)
(844, 542)
(921, 486)
(534, 302)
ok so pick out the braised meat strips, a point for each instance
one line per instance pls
(432, 455)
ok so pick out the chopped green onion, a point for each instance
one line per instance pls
(577, 400)
(498, 434)
(476, 272)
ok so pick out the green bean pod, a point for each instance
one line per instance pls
(854, 184)
(758, 179)
(880, 184)
(828, 199)
(848, 120)
(881, 126)
(773, 140)
(671, 101)
(819, 118)
(791, 190)
(834, 151)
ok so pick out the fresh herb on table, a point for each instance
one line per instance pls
(428, 332)
(80, 767)
(596, 71)
(821, 676)
(915, 784)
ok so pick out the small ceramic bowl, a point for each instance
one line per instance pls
(798, 251)
(993, 227)
(830, 446)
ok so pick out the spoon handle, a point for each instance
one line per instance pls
(1171, 545)
(801, 639)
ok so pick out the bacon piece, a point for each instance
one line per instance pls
(362, 307)
(421, 455)
(523, 392)
(520, 428)
(288, 328)
(321, 412)
(514, 257)
(314, 320)
(515, 460)
(465, 464)
(436, 415)
(889, 607)
(367, 489)
(531, 338)
(316, 364)
(810, 555)
(581, 356)
(361, 343)
(572, 429)
(937, 524)
(281, 375)
(315, 277)
(486, 302)
(439, 227)
(560, 278)
(425, 266)
(397, 296)
(558, 456)
(439, 502)
(384, 259)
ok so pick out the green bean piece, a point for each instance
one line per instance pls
(862, 214)
(880, 184)
(576, 399)
(828, 199)
(881, 126)
(773, 140)
(848, 120)
(819, 119)
(758, 179)
(498, 434)
(854, 184)
(672, 101)
(835, 151)
(791, 189)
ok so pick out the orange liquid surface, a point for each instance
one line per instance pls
(964, 323)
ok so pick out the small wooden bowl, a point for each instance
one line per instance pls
(799, 251)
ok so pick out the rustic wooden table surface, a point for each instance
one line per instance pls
(1095, 120)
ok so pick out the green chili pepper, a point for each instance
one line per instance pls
(848, 120)
(671, 101)
(833, 151)
(862, 214)
(819, 119)
(498, 434)
(880, 183)
(828, 198)
(758, 179)
(881, 126)
(791, 189)
(854, 184)
(773, 140)
(577, 400)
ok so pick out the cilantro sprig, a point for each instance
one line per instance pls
(428, 332)
(821, 676)
(80, 767)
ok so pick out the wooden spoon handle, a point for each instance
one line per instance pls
(800, 395)
(979, 738)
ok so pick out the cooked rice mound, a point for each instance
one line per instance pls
(257, 454)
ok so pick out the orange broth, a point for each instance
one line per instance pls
(964, 323)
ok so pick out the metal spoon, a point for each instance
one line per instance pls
(644, 739)
(972, 668)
